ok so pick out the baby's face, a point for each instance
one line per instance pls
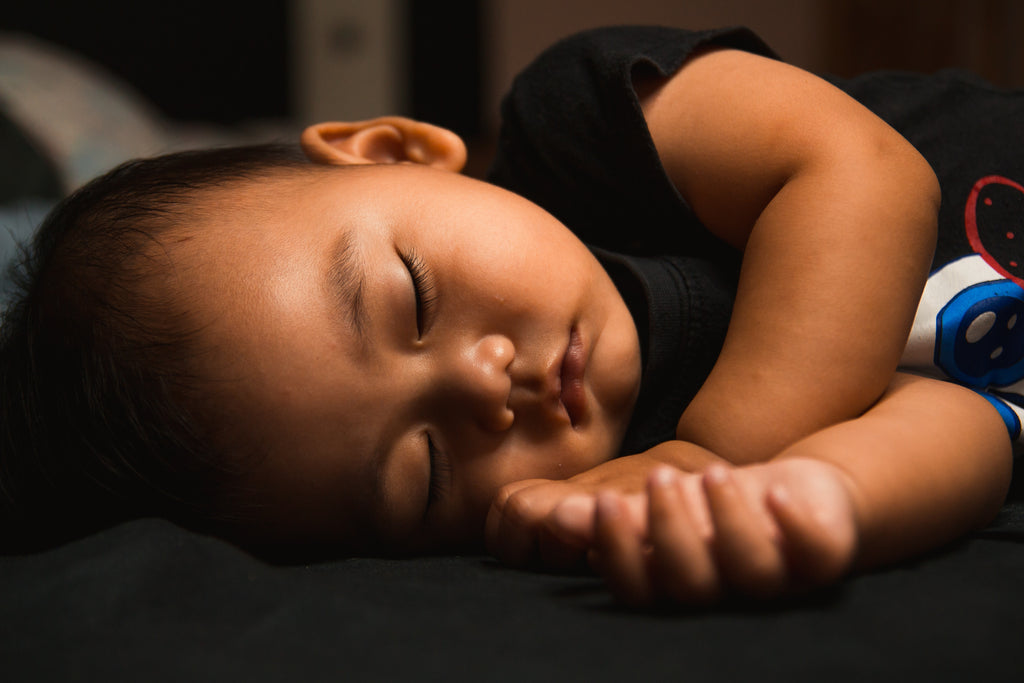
(397, 343)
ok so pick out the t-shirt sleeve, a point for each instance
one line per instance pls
(574, 140)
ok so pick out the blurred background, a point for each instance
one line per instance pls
(271, 65)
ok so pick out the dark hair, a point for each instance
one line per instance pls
(99, 402)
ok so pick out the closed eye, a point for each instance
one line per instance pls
(423, 288)
(440, 474)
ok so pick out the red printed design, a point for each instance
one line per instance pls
(993, 210)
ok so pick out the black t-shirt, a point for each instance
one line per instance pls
(574, 140)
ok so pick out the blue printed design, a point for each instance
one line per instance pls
(1010, 418)
(980, 341)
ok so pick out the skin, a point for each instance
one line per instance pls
(929, 462)
(804, 455)
(837, 201)
(340, 419)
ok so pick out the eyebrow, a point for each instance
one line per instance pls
(345, 281)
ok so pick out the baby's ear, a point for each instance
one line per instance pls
(386, 140)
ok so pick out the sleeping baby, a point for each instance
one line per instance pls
(667, 341)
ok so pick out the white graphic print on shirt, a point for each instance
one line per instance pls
(969, 325)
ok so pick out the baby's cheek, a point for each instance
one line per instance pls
(615, 369)
(520, 458)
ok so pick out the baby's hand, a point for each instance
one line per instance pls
(551, 523)
(758, 531)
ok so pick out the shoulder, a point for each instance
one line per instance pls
(659, 44)
(614, 51)
(574, 139)
(586, 79)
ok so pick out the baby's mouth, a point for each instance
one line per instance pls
(574, 366)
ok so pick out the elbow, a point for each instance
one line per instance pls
(931, 184)
(901, 173)
(925, 235)
(929, 188)
(893, 179)
(918, 172)
(917, 178)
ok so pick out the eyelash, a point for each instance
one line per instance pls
(426, 298)
(423, 287)
(440, 469)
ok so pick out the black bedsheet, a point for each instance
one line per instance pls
(148, 601)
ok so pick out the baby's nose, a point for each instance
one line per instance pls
(482, 378)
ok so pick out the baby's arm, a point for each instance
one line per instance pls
(928, 463)
(836, 214)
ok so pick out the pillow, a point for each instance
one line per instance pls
(29, 185)
(17, 221)
(83, 119)
(25, 171)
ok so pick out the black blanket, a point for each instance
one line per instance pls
(150, 601)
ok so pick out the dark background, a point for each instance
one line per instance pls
(228, 61)
(225, 60)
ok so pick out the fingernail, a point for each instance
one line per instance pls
(575, 506)
(716, 475)
(780, 494)
(574, 515)
(663, 477)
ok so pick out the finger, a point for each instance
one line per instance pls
(681, 565)
(497, 508)
(619, 551)
(572, 520)
(567, 533)
(816, 550)
(747, 556)
(636, 512)
(513, 520)
(696, 505)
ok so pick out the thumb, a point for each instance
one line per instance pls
(510, 531)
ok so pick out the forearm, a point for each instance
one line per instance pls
(928, 463)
